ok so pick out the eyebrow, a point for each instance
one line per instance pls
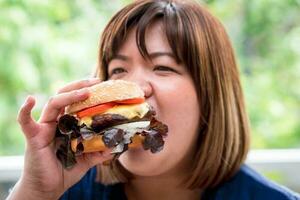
(158, 54)
(152, 56)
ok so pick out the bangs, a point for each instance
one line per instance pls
(141, 18)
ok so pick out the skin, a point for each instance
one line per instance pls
(171, 92)
(168, 89)
(43, 176)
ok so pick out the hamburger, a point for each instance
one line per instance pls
(115, 116)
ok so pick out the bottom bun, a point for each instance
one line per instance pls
(96, 144)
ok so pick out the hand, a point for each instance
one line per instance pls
(43, 174)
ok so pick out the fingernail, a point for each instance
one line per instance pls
(27, 100)
(94, 80)
(82, 92)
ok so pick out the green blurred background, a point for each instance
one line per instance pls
(46, 44)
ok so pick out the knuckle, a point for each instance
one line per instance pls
(64, 89)
(79, 92)
(19, 119)
(85, 82)
(74, 85)
(61, 90)
(52, 101)
(20, 115)
(75, 93)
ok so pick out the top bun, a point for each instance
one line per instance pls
(107, 91)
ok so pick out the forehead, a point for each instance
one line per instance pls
(155, 39)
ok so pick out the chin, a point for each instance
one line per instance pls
(142, 163)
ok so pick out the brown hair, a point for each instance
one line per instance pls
(200, 42)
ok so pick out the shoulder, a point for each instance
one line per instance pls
(247, 184)
(88, 189)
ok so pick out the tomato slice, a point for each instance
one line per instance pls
(95, 110)
(104, 107)
(131, 101)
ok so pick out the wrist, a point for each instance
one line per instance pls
(25, 191)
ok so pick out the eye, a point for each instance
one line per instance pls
(117, 70)
(164, 68)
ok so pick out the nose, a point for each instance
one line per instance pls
(140, 75)
(144, 84)
(146, 87)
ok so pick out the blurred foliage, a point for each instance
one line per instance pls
(266, 36)
(45, 44)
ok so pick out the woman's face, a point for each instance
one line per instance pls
(169, 89)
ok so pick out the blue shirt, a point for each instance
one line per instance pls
(246, 184)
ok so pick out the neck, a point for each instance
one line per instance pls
(159, 188)
(166, 186)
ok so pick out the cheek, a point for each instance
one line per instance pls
(177, 104)
(182, 116)
(178, 107)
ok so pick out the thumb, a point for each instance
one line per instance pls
(89, 160)
(84, 163)
(28, 125)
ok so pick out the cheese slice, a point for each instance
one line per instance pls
(128, 111)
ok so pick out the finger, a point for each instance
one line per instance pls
(28, 125)
(55, 104)
(89, 160)
(84, 163)
(62, 112)
(76, 85)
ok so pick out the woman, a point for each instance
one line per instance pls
(181, 57)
